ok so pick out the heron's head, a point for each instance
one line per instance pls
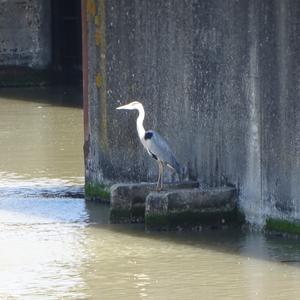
(132, 105)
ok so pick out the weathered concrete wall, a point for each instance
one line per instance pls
(220, 79)
(25, 35)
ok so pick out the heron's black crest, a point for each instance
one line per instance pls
(154, 156)
(148, 135)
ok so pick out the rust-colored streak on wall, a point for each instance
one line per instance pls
(85, 68)
(101, 83)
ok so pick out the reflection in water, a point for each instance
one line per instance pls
(41, 261)
(54, 245)
(40, 138)
(210, 265)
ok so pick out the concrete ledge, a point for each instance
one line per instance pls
(128, 200)
(191, 208)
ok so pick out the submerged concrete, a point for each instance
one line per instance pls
(218, 79)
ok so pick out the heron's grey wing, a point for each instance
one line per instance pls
(158, 146)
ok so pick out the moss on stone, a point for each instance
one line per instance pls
(157, 222)
(97, 192)
(189, 219)
(283, 226)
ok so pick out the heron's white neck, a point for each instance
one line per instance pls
(139, 121)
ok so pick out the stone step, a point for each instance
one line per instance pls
(127, 200)
(191, 208)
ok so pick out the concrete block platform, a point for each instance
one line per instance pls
(192, 209)
(127, 201)
(180, 206)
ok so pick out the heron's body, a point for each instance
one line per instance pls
(154, 143)
(158, 148)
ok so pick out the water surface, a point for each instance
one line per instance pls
(54, 245)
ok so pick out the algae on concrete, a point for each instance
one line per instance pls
(283, 226)
(99, 192)
(188, 219)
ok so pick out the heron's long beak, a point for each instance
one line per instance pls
(123, 107)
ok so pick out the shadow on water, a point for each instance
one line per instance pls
(240, 242)
(67, 96)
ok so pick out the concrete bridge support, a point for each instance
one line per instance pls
(219, 79)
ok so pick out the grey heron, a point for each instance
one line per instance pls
(154, 143)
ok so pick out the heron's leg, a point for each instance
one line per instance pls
(159, 176)
(162, 176)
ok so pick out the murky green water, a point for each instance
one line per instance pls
(53, 245)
